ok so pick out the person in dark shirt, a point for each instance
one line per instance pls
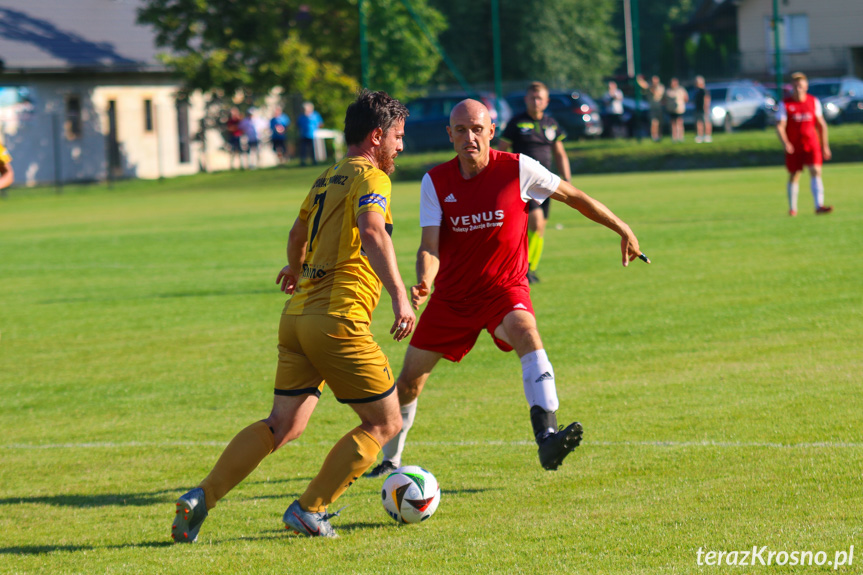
(536, 134)
(703, 122)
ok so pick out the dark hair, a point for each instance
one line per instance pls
(536, 87)
(369, 111)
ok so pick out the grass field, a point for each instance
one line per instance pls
(719, 387)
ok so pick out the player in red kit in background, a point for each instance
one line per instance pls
(803, 131)
(473, 213)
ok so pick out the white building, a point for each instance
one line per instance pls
(84, 97)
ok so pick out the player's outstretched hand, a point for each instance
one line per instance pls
(630, 250)
(419, 294)
(288, 278)
(405, 319)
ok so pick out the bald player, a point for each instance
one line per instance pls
(474, 213)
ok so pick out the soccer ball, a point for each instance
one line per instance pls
(410, 494)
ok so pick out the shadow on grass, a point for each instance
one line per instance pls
(45, 549)
(168, 295)
(140, 499)
(100, 500)
(466, 491)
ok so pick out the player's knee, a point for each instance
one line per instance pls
(391, 428)
(284, 431)
(408, 389)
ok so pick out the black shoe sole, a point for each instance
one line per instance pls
(571, 440)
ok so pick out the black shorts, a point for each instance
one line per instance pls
(279, 145)
(544, 206)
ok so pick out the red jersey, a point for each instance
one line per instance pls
(483, 223)
(800, 122)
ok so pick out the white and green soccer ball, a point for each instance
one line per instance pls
(410, 494)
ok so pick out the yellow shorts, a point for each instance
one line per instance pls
(318, 349)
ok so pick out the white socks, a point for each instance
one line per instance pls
(539, 389)
(818, 191)
(393, 449)
(793, 188)
(538, 378)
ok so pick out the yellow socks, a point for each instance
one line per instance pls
(348, 459)
(242, 455)
(535, 243)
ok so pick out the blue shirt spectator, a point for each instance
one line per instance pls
(308, 124)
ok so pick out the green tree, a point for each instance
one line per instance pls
(564, 43)
(226, 46)
(656, 19)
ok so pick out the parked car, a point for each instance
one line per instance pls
(837, 95)
(425, 128)
(575, 111)
(854, 111)
(736, 104)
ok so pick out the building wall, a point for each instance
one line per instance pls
(835, 28)
(45, 151)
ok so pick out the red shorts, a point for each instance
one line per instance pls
(453, 328)
(803, 156)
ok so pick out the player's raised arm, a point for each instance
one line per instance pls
(297, 244)
(428, 263)
(595, 210)
(382, 256)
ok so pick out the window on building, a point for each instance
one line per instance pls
(793, 33)
(148, 115)
(183, 131)
(73, 117)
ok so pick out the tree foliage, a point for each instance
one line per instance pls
(656, 19)
(564, 43)
(230, 46)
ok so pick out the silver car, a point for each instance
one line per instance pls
(836, 94)
(737, 104)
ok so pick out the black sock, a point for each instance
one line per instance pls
(542, 421)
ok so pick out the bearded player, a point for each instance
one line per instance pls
(474, 213)
(803, 131)
(339, 255)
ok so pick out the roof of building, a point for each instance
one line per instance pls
(71, 35)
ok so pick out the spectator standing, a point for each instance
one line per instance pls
(279, 133)
(655, 97)
(308, 124)
(802, 129)
(703, 121)
(249, 126)
(676, 98)
(613, 100)
(235, 134)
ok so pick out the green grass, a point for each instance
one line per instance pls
(719, 387)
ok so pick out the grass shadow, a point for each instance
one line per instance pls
(98, 500)
(46, 549)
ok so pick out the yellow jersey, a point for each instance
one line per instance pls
(4, 154)
(337, 278)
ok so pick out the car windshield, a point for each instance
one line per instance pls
(824, 90)
(717, 94)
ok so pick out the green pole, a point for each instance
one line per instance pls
(777, 50)
(636, 59)
(495, 33)
(364, 47)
